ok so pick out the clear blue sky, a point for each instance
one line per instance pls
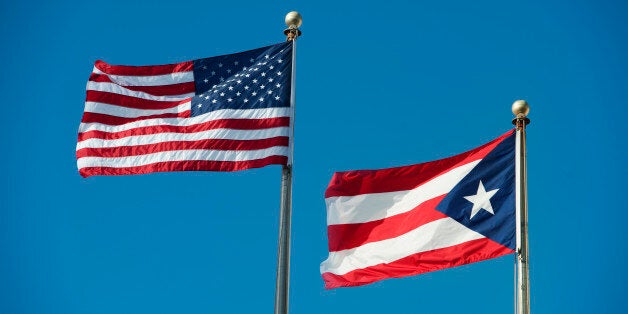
(379, 84)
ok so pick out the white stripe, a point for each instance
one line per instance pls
(376, 206)
(227, 134)
(264, 113)
(152, 80)
(125, 112)
(438, 234)
(181, 155)
(120, 90)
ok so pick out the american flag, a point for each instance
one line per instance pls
(223, 113)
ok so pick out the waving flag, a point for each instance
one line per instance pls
(223, 113)
(415, 219)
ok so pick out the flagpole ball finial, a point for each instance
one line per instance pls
(520, 108)
(294, 19)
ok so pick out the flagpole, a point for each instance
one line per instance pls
(520, 109)
(282, 285)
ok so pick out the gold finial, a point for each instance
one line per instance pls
(520, 109)
(293, 21)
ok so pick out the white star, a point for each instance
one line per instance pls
(214, 101)
(238, 94)
(206, 97)
(254, 93)
(262, 86)
(228, 70)
(252, 60)
(205, 80)
(263, 73)
(271, 67)
(279, 60)
(270, 92)
(222, 94)
(220, 65)
(230, 87)
(229, 99)
(261, 99)
(278, 73)
(246, 100)
(213, 72)
(481, 200)
(255, 81)
(235, 63)
(199, 105)
(277, 97)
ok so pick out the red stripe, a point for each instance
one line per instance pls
(235, 124)
(90, 117)
(209, 144)
(461, 254)
(348, 236)
(144, 70)
(357, 182)
(190, 165)
(160, 90)
(130, 101)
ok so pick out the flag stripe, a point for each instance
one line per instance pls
(149, 70)
(180, 155)
(113, 88)
(264, 113)
(133, 101)
(188, 165)
(156, 80)
(358, 182)
(235, 124)
(225, 134)
(123, 112)
(348, 236)
(208, 144)
(418, 240)
(90, 117)
(419, 263)
(351, 209)
(163, 90)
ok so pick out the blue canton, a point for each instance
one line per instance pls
(253, 79)
(496, 171)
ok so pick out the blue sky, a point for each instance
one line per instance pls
(379, 84)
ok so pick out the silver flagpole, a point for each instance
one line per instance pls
(520, 109)
(282, 285)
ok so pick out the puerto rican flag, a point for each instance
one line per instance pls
(410, 220)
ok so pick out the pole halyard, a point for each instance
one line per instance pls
(282, 285)
(521, 109)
